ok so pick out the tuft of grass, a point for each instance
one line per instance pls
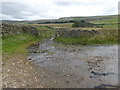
(106, 36)
(17, 43)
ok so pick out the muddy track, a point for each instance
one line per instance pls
(70, 66)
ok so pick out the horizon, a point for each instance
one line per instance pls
(60, 17)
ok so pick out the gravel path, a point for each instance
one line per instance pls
(19, 73)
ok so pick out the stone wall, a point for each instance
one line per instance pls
(72, 33)
(9, 29)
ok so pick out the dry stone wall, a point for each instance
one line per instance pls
(9, 29)
(72, 33)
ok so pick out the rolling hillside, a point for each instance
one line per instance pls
(110, 21)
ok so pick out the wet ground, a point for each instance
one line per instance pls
(75, 66)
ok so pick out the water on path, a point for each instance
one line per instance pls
(70, 66)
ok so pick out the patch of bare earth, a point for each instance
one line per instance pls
(17, 72)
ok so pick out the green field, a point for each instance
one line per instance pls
(67, 25)
(107, 21)
(43, 28)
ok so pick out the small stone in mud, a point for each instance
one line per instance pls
(43, 52)
(56, 72)
(99, 79)
(55, 81)
(92, 72)
(83, 78)
(8, 70)
(41, 62)
(68, 81)
(90, 68)
(65, 49)
(13, 63)
(104, 74)
(38, 51)
(73, 49)
(29, 59)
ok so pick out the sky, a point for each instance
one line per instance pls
(54, 9)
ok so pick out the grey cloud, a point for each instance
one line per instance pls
(64, 3)
(13, 9)
(19, 10)
(76, 3)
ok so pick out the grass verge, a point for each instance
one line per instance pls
(17, 43)
(106, 36)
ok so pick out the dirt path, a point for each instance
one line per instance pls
(19, 73)
(61, 66)
(55, 65)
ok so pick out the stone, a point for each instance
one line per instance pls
(10, 29)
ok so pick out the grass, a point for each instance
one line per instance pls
(47, 33)
(44, 28)
(106, 36)
(69, 25)
(110, 26)
(108, 23)
(55, 25)
(0, 45)
(17, 43)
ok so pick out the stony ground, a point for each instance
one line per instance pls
(60, 66)
(19, 73)
(71, 66)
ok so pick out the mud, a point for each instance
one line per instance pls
(70, 66)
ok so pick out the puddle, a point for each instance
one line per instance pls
(105, 86)
(67, 66)
(97, 74)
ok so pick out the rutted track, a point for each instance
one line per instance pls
(62, 66)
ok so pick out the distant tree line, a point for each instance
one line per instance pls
(51, 22)
(82, 23)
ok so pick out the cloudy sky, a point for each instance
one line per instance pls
(53, 9)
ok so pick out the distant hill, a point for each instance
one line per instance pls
(90, 18)
(94, 19)
(14, 22)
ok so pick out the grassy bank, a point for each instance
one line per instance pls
(17, 72)
(17, 43)
(106, 36)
